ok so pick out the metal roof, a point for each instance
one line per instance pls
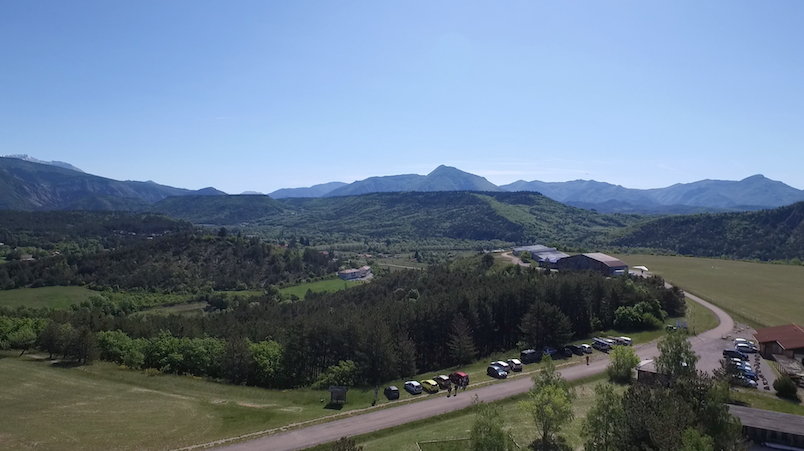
(607, 260)
(771, 421)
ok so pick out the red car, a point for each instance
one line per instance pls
(459, 378)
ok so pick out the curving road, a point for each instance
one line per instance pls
(707, 344)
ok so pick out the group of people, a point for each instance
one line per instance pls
(452, 388)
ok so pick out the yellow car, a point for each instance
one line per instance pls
(430, 386)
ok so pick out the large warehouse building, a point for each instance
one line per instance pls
(596, 262)
(546, 256)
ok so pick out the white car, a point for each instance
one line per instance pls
(413, 387)
(515, 364)
(625, 341)
(505, 366)
(586, 348)
(738, 341)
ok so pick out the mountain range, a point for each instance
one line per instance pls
(27, 185)
(753, 193)
(30, 184)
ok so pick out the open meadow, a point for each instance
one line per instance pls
(759, 294)
(101, 406)
(319, 286)
(54, 297)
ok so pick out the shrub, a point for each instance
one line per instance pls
(785, 387)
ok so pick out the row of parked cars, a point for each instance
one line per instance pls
(737, 358)
(500, 369)
(434, 385)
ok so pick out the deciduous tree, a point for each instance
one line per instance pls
(604, 420)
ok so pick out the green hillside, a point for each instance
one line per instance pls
(219, 210)
(512, 217)
(776, 234)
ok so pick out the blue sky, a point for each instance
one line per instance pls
(263, 95)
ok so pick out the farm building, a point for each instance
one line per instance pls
(352, 274)
(764, 426)
(787, 340)
(546, 256)
(595, 261)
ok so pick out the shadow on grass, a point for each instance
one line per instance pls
(334, 406)
(556, 444)
(66, 364)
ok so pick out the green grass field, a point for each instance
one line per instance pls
(755, 293)
(321, 285)
(102, 407)
(55, 297)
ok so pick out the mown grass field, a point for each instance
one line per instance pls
(55, 297)
(456, 425)
(103, 407)
(755, 293)
(316, 287)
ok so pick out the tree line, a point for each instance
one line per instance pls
(396, 326)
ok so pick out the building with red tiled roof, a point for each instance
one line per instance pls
(787, 340)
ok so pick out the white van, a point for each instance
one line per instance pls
(626, 341)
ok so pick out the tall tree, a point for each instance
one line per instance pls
(622, 361)
(345, 444)
(23, 338)
(551, 409)
(549, 403)
(604, 420)
(461, 344)
(676, 357)
(487, 433)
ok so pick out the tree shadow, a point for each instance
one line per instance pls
(67, 364)
(555, 444)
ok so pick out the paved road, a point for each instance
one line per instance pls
(709, 344)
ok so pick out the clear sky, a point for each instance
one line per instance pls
(269, 94)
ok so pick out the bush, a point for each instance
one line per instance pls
(623, 360)
(344, 373)
(785, 387)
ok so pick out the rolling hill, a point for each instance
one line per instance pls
(776, 234)
(313, 191)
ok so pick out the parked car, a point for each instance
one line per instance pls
(504, 365)
(566, 351)
(744, 341)
(391, 392)
(515, 364)
(496, 372)
(576, 349)
(624, 341)
(549, 351)
(413, 387)
(530, 356)
(746, 348)
(601, 344)
(744, 382)
(430, 386)
(459, 378)
(442, 381)
(734, 354)
(749, 374)
(741, 364)
(586, 348)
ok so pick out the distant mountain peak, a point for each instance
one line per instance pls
(60, 164)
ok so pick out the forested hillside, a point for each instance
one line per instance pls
(40, 233)
(511, 217)
(178, 262)
(391, 328)
(776, 234)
